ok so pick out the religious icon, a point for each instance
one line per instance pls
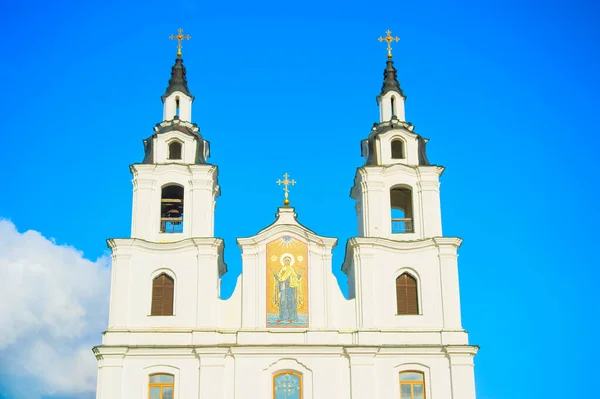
(286, 284)
(287, 295)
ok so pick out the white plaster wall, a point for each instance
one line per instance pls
(246, 372)
(385, 106)
(383, 147)
(433, 263)
(200, 192)
(354, 348)
(193, 264)
(372, 187)
(161, 150)
(327, 306)
(185, 107)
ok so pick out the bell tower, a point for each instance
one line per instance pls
(175, 189)
(397, 190)
(402, 272)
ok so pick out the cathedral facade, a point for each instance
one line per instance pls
(287, 331)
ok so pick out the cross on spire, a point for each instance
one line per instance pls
(285, 182)
(179, 38)
(389, 39)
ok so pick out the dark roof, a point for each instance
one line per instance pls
(191, 129)
(394, 123)
(390, 79)
(178, 81)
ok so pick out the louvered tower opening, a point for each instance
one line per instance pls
(162, 295)
(406, 295)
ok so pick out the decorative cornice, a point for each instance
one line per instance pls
(176, 124)
(469, 350)
(394, 123)
(179, 125)
(125, 244)
(286, 221)
(356, 243)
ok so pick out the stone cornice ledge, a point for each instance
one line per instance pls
(354, 244)
(380, 242)
(469, 350)
(282, 349)
(100, 351)
(125, 244)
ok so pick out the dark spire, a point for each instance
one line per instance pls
(178, 81)
(390, 80)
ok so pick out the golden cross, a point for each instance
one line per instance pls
(389, 39)
(179, 38)
(286, 190)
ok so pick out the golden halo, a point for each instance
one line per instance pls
(283, 256)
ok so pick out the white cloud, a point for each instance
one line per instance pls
(53, 308)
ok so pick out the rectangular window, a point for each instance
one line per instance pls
(412, 385)
(161, 386)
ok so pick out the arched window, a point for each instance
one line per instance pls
(407, 301)
(287, 385)
(402, 214)
(177, 106)
(397, 149)
(175, 150)
(161, 386)
(171, 209)
(412, 385)
(163, 290)
(393, 105)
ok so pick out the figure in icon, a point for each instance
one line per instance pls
(288, 290)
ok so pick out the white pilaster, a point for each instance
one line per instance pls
(449, 282)
(110, 372)
(362, 372)
(212, 373)
(461, 371)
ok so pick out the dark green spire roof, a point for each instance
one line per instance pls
(178, 81)
(390, 79)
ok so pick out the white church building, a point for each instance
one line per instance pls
(287, 331)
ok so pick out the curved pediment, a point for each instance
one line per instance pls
(286, 223)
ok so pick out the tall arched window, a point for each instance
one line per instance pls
(407, 301)
(177, 106)
(412, 385)
(287, 385)
(393, 106)
(402, 213)
(171, 209)
(174, 150)
(163, 291)
(397, 149)
(161, 386)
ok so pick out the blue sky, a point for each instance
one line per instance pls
(505, 91)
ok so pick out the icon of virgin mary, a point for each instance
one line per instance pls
(287, 295)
